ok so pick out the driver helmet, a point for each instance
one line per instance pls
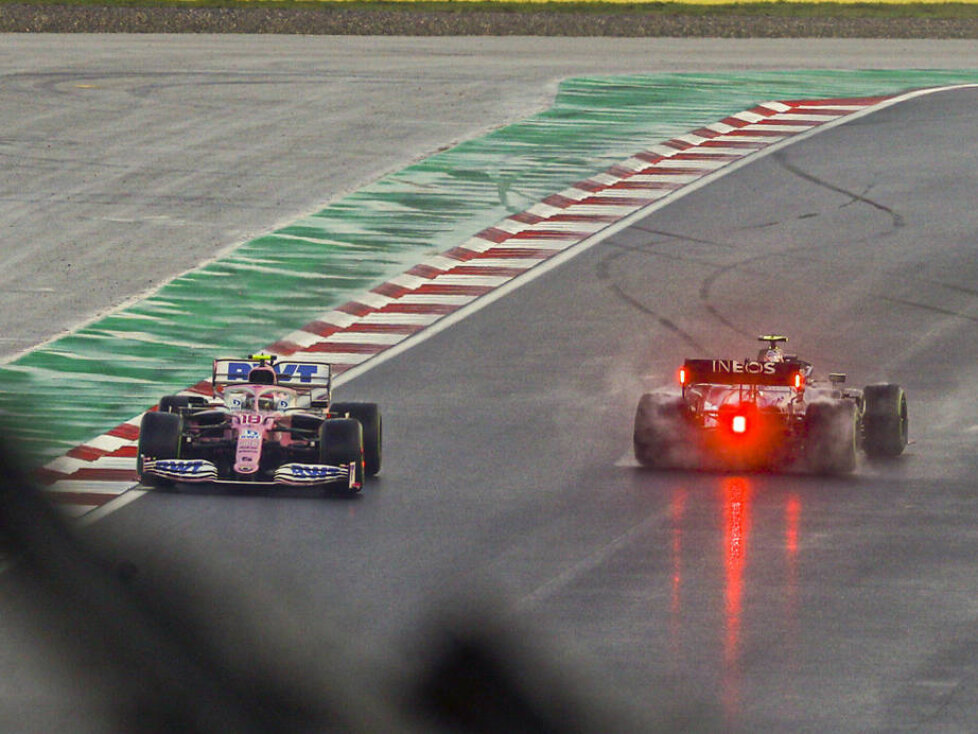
(262, 376)
(772, 355)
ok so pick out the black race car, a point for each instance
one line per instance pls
(269, 422)
(768, 413)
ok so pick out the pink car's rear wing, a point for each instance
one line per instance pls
(303, 376)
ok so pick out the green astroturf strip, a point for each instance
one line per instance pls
(118, 366)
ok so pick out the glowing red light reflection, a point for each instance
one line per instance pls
(736, 532)
(736, 529)
(677, 511)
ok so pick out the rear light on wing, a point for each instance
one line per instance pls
(738, 424)
(682, 376)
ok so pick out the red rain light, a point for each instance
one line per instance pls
(799, 381)
(739, 424)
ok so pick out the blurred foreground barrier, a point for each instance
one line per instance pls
(182, 655)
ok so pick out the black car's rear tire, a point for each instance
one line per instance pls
(341, 443)
(886, 422)
(831, 437)
(369, 416)
(661, 432)
(159, 438)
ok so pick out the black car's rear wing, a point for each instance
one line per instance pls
(742, 372)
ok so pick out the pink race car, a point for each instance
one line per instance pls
(270, 422)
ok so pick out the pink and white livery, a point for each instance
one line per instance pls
(268, 422)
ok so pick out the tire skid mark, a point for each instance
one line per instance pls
(926, 307)
(604, 275)
(782, 160)
(706, 286)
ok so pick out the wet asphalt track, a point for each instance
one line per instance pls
(780, 603)
(764, 603)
